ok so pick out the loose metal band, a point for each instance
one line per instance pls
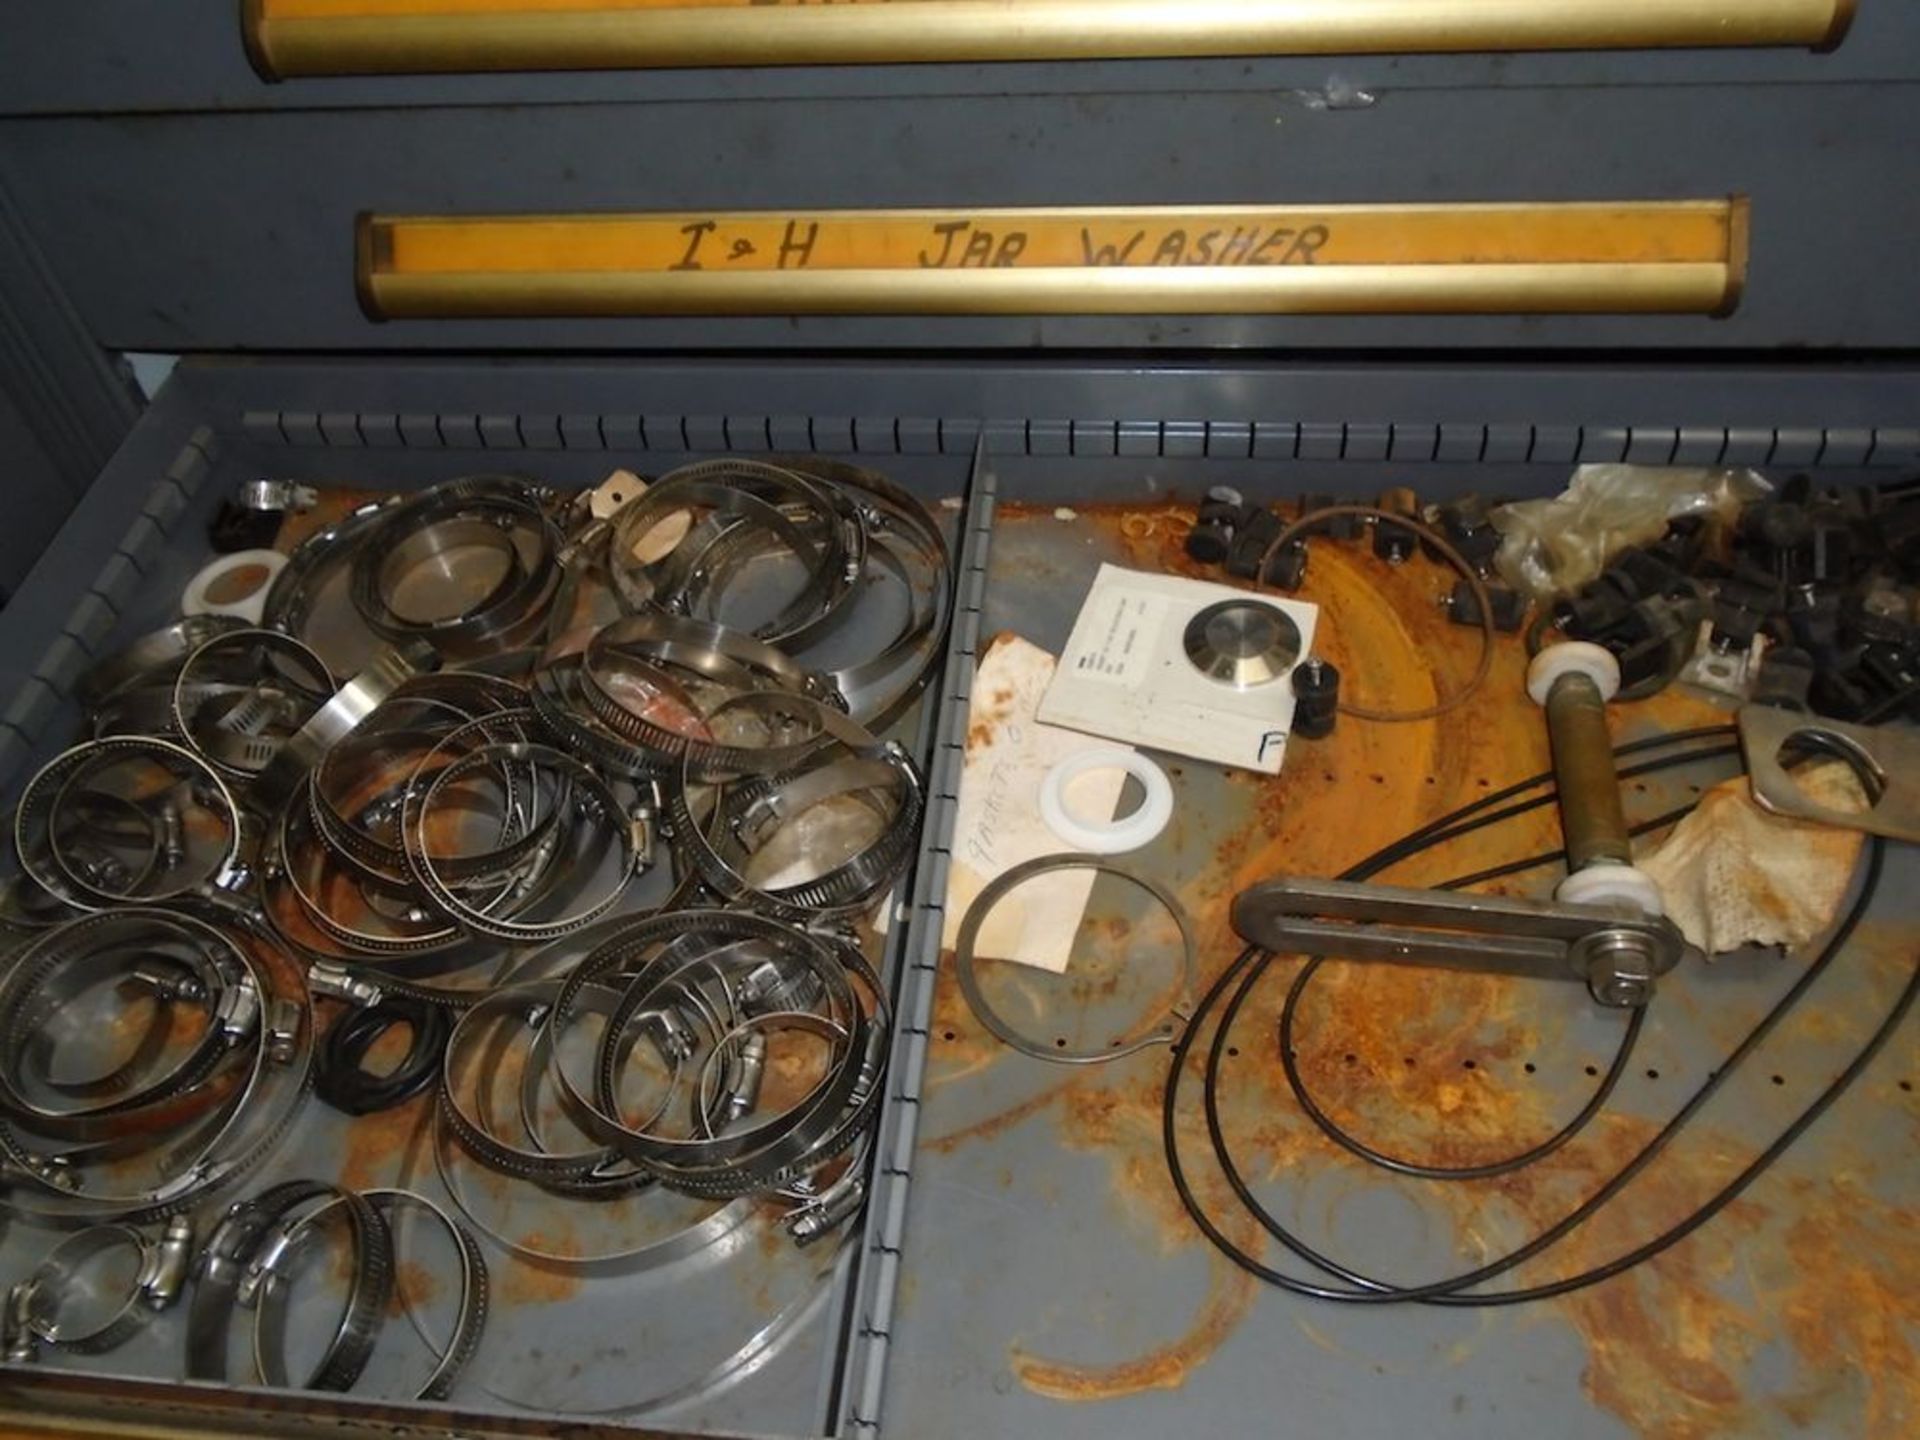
(173, 958)
(745, 811)
(666, 948)
(584, 1169)
(494, 619)
(301, 868)
(720, 1222)
(996, 889)
(714, 653)
(430, 546)
(475, 1292)
(559, 691)
(773, 1153)
(612, 1175)
(318, 572)
(735, 1160)
(905, 542)
(853, 1126)
(584, 795)
(271, 1302)
(334, 721)
(90, 827)
(243, 1259)
(402, 729)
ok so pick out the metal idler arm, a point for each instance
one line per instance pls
(1604, 926)
(1617, 953)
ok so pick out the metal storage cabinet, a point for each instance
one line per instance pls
(160, 196)
(248, 191)
(917, 1339)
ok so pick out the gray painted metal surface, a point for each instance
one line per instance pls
(245, 220)
(1026, 1243)
(68, 406)
(171, 200)
(1047, 1283)
(37, 495)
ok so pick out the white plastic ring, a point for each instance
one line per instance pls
(248, 605)
(1573, 657)
(1613, 885)
(1117, 836)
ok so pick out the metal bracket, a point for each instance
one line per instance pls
(1723, 672)
(1618, 954)
(1886, 759)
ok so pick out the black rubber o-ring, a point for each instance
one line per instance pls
(340, 1078)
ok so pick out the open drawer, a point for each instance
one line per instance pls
(1024, 1266)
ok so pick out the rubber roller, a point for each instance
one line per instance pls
(1573, 682)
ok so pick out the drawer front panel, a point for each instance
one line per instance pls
(246, 224)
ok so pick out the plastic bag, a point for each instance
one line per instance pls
(1553, 547)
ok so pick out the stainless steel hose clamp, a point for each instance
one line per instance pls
(245, 1258)
(41, 1309)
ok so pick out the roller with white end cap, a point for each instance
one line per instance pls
(1573, 682)
(1605, 927)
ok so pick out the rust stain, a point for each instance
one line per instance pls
(1821, 1263)
(1438, 1068)
(1378, 1045)
(1389, 631)
(995, 1124)
(376, 1144)
(1230, 1295)
(772, 1239)
(1666, 1342)
(414, 1286)
(796, 1067)
(521, 1282)
(988, 712)
(961, 1045)
(1123, 1123)
(1860, 1317)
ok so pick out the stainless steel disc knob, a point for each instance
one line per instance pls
(1243, 643)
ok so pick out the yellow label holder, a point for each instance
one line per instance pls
(290, 38)
(1654, 257)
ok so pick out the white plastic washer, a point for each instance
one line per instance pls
(1117, 836)
(1573, 657)
(1605, 884)
(251, 607)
